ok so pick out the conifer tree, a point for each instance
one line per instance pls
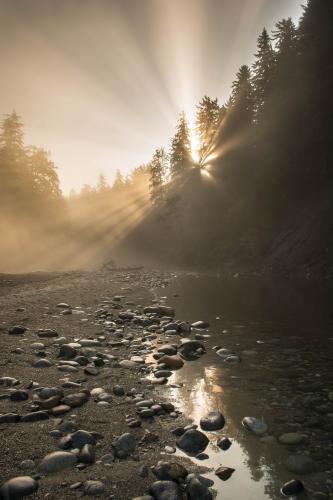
(157, 170)
(180, 155)
(207, 121)
(263, 70)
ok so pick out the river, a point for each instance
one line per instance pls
(282, 330)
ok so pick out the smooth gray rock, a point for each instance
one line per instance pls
(18, 487)
(57, 461)
(93, 488)
(254, 425)
(170, 471)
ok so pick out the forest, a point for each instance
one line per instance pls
(250, 187)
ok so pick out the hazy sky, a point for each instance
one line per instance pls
(100, 83)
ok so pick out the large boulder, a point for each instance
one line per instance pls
(125, 445)
(57, 461)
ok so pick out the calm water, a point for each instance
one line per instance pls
(256, 315)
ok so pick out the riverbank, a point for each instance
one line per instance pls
(280, 376)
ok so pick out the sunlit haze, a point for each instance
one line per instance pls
(100, 83)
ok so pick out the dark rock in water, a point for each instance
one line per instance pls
(125, 445)
(168, 349)
(293, 487)
(301, 464)
(75, 400)
(213, 421)
(224, 444)
(35, 416)
(17, 330)
(118, 390)
(87, 454)
(254, 425)
(202, 456)
(18, 487)
(197, 487)
(19, 395)
(179, 431)
(191, 349)
(162, 373)
(200, 325)
(192, 442)
(224, 472)
(170, 471)
(172, 362)
(166, 490)
(9, 418)
(57, 461)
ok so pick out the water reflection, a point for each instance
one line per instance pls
(258, 319)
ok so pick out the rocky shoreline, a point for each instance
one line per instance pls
(85, 361)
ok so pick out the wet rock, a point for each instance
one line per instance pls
(192, 442)
(17, 330)
(200, 325)
(191, 349)
(224, 473)
(18, 487)
(63, 305)
(168, 349)
(125, 445)
(213, 421)
(224, 443)
(291, 438)
(172, 362)
(162, 374)
(301, 464)
(291, 488)
(254, 425)
(57, 461)
(93, 488)
(166, 490)
(170, 471)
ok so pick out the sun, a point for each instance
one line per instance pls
(195, 143)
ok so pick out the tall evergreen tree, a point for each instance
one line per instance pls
(242, 95)
(157, 170)
(285, 37)
(263, 70)
(180, 154)
(119, 180)
(208, 118)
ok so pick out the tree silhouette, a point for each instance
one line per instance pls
(158, 167)
(180, 154)
(208, 118)
(263, 70)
